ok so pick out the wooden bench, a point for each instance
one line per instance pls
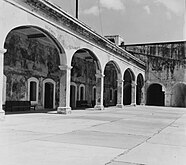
(13, 106)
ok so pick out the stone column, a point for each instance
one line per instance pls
(99, 91)
(64, 97)
(120, 94)
(2, 112)
(133, 91)
(168, 97)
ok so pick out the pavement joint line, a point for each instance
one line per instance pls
(109, 163)
(125, 152)
(44, 140)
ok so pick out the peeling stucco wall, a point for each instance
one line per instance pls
(165, 63)
(83, 72)
(27, 58)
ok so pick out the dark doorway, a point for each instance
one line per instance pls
(138, 95)
(127, 93)
(127, 87)
(49, 92)
(72, 96)
(33, 90)
(110, 84)
(94, 97)
(155, 95)
(115, 96)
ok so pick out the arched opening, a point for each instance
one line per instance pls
(49, 86)
(110, 84)
(82, 92)
(31, 52)
(127, 87)
(33, 88)
(94, 96)
(49, 91)
(140, 84)
(179, 95)
(73, 95)
(155, 95)
(84, 68)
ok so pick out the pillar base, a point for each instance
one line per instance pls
(99, 107)
(64, 110)
(120, 106)
(2, 114)
(133, 104)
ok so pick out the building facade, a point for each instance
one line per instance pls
(57, 62)
(165, 80)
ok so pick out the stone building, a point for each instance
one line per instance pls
(165, 78)
(57, 62)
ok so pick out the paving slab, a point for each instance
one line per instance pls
(152, 119)
(117, 127)
(155, 154)
(169, 139)
(102, 139)
(10, 137)
(101, 118)
(175, 130)
(128, 136)
(50, 153)
(57, 127)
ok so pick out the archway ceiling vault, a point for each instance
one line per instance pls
(31, 32)
(85, 55)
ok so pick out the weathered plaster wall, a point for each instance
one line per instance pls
(83, 72)
(27, 58)
(165, 64)
(110, 85)
(179, 95)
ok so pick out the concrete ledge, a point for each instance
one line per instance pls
(120, 106)
(64, 110)
(2, 114)
(99, 107)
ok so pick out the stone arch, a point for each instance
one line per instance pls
(49, 93)
(139, 86)
(85, 66)
(116, 66)
(38, 54)
(156, 95)
(112, 73)
(129, 80)
(131, 73)
(40, 32)
(90, 56)
(178, 98)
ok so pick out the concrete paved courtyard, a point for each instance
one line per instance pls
(129, 136)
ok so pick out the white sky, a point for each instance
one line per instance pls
(136, 21)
